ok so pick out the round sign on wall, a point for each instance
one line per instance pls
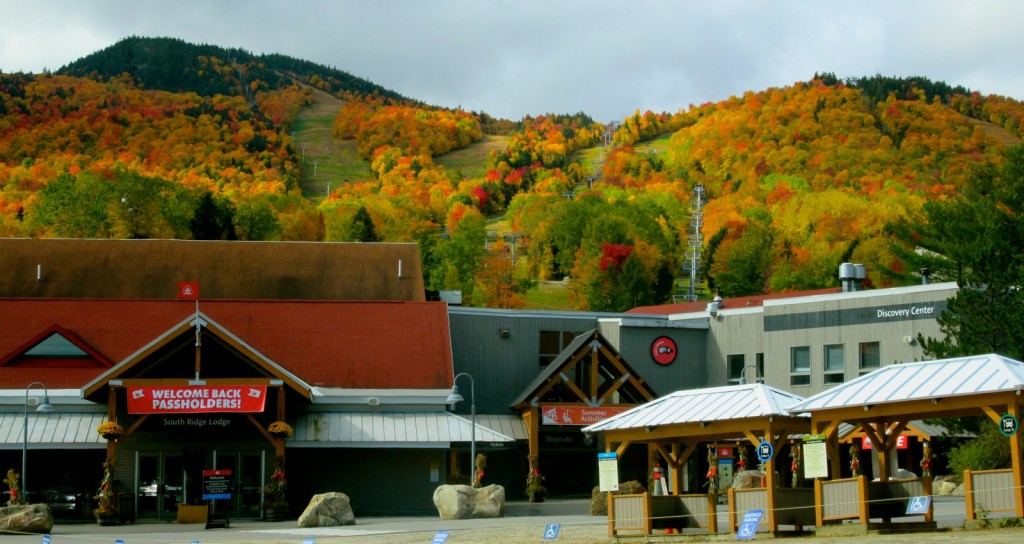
(663, 350)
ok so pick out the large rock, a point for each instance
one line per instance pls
(747, 479)
(28, 518)
(328, 510)
(464, 502)
(599, 499)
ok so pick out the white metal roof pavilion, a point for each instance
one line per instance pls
(705, 406)
(928, 380)
(884, 401)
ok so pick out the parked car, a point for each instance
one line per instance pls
(62, 502)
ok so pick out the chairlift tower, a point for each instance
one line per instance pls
(694, 243)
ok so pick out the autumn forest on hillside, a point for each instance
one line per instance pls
(797, 179)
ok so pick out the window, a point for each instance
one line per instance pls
(56, 346)
(870, 357)
(835, 364)
(759, 358)
(552, 343)
(800, 365)
(736, 364)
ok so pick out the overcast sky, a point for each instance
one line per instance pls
(530, 57)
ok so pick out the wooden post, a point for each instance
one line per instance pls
(969, 495)
(773, 526)
(819, 514)
(732, 508)
(611, 515)
(926, 489)
(1015, 455)
(713, 513)
(862, 498)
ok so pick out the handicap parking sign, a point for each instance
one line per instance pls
(440, 537)
(748, 527)
(918, 505)
(551, 531)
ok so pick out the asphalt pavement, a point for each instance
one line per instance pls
(523, 522)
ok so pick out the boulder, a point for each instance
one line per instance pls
(944, 488)
(26, 518)
(747, 479)
(599, 499)
(328, 510)
(464, 502)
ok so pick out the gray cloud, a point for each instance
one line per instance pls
(530, 57)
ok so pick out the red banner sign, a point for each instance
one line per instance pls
(576, 415)
(190, 399)
(901, 443)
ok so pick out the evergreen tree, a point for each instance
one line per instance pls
(974, 239)
(362, 226)
(212, 220)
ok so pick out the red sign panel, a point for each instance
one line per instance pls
(663, 350)
(901, 443)
(188, 290)
(576, 415)
(725, 453)
(190, 399)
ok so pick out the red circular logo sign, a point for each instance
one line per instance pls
(663, 350)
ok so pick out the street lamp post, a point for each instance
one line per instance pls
(456, 397)
(743, 374)
(44, 407)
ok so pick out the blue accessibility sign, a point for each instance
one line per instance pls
(918, 505)
(748, 527)
(551, 531)
(440, 537)
(765, 451)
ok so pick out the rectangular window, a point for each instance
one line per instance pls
(800, 365)
(736, 364)
(870, 357)
(760, 366)
(835, 364)
(552, 343)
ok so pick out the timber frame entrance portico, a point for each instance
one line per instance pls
(588, 376)
(213, 374)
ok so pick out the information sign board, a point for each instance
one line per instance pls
(216, 484)
(765, 451)
(608, 471)
(815, 456)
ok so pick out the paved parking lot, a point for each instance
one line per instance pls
(524, 522)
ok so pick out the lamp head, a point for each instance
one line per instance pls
(45, 406)
(454, 396)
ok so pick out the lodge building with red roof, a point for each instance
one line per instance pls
(339, 342)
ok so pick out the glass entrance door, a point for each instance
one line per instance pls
(247, 470)
(159, 486)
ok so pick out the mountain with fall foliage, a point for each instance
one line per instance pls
(155, 137)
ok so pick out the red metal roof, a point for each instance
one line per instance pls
(387, 345)
(727, 303)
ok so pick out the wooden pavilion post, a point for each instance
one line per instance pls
(1015, 455)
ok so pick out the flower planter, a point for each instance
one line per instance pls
(106, 520)
(111, 436)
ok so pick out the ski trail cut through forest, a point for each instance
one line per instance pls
(325, 161)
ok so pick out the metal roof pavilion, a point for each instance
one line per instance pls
(729, 402)
(940, 379)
